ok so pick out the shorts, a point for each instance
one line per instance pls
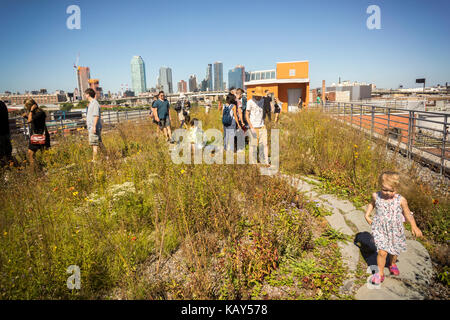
(277, 110)
(164, 123)
(95, 139)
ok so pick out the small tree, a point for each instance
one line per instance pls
(82, 104)
(66, 106)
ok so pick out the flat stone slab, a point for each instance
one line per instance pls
(357, 218)
(415, 264)
(337, 222)
(350, 254)
(329, 198)
(311, 180)
(390, 289)
(311, 194)
(301, 185)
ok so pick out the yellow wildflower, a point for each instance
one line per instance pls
(75, 193)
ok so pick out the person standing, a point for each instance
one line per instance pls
(94, 123)
(179, 108)
(162, 115)
(267, 105)
(229, 121)
(39, 136)
(255, 120)
(207, 105)
(5, 136)
(300, 103)
(152, 115)
(277, 108)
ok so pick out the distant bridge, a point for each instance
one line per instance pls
(172, 97)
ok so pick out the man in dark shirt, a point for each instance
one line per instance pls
(5, 137)
(162, 115)
(267, 106)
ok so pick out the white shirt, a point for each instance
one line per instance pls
(255, 108)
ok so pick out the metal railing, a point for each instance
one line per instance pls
(419, 135)
(67, 122)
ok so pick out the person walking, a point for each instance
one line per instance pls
(5, 136)
(255, 119)
(387, 225)
(39, 136)
(94, 123)
(162, 116)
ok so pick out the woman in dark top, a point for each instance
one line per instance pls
(36, 118)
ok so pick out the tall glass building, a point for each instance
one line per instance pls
(218, 76)
(165, 79)
(138, 80)
(236, 77)
(209, 79)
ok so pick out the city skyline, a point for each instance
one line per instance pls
(335, 41)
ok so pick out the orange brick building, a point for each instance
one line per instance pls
(288, 82)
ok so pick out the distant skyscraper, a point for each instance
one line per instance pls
(204, 85)
(94, 84)
(193, 83)
(165, 79)
(138, 80)
(236, 77)
(83, 75)
(218, 76)
(182, 86)
(209, 79)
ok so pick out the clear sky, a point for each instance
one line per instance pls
(38, 50)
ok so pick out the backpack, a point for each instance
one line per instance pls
(227, 119)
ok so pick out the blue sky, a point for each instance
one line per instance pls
(38, 51)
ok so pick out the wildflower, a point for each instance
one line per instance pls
(55, 189)
(133, 239)
(54, 248)
(435, 201)
(71, 188)
(355, 146)
(75, 193)
(182, 171)
(5, 233)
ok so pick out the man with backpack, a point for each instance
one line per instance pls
(162, 115)
(255, 120)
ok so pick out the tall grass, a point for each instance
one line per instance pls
(132, 212)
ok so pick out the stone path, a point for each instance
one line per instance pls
(416, 271)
